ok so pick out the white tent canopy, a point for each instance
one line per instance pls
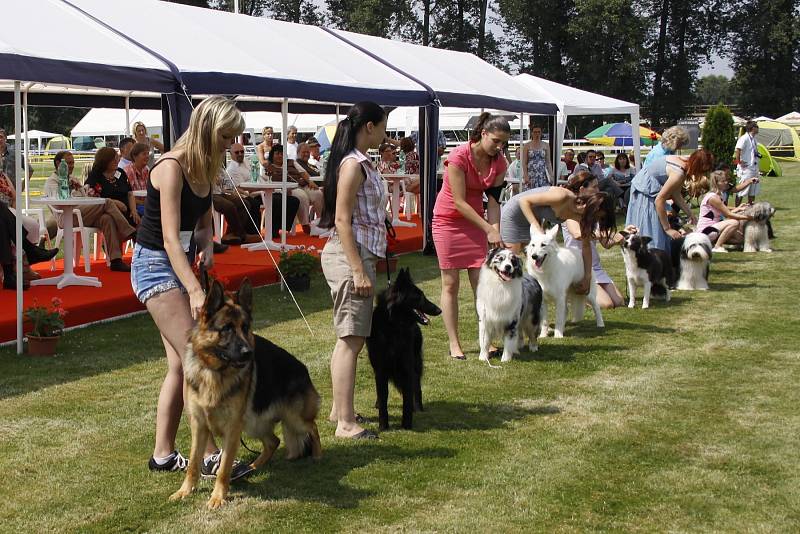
(456, 78)
(39, 134)
(573, 101)
(226, 53)
(791, 119)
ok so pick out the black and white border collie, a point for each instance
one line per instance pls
(508, 303)
(645, 267)
(691, 258)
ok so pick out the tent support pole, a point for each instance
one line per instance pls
(128, 115)
(636, 140)
(26, 147)
(284, 169)
(521, 133)
(18, 225)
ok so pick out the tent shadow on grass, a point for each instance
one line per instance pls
(321, 481)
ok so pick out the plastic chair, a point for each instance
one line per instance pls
(81, 233)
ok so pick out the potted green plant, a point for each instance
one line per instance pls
(297, 268)
(47, 324)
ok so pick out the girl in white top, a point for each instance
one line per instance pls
(354, 208)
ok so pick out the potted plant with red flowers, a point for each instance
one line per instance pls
(47, 324)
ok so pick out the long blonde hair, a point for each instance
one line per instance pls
(201, 145)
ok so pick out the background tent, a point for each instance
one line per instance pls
(621, 134)
(767, 164)
(573, 101)
(780, 140)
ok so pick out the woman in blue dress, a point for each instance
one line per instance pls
(659, 182)
(671, 140)
(535, 160)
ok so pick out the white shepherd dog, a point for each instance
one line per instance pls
(557, 269)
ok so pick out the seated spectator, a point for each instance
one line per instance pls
(388, 163)
(106, 180)
(408, 147)
(600, 157)
(303, 162)
(605, 184)
(125, 146)
(33, 253)
(307, 194)
(8, 198)
(140, 136)
(291, 142)
(108, 217)
(581, 165)
(137, 172)
(315, 158)
(622, 173)
(263, 148)
(713, 209)
(569, 160)
(240, 210)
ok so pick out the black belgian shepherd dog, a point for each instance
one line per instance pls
(395, 345)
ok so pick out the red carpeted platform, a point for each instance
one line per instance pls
(88, 304)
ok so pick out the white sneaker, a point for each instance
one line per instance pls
(719, 250)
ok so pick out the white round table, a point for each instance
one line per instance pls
(396, 179)
(266, 189)
(69, 278)
(141, 193)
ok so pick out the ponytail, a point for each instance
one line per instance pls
(343, 143)
(490, 123)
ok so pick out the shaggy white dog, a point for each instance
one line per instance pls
(756, 236)
(557, 269)
(695, 258)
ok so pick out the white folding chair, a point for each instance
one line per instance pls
(81, 233)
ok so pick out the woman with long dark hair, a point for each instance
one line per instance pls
(460, 231)
(355, 209)
(580, 201)
(663, 180)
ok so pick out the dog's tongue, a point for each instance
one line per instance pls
(504, 276)
(538, 262)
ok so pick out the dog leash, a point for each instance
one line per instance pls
(392, 233)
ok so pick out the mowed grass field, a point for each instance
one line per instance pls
(683, 417)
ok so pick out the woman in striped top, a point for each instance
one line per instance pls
(354, 208)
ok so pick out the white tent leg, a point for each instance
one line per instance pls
(127, 115)
(26, 147)
(284, 169)
(636, 141)
(18, 229)
(521, 133)
(561, 126)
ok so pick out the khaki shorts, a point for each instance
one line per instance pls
(352, 313)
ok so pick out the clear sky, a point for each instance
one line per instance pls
(718, 66)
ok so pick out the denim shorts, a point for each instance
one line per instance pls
(152, 274)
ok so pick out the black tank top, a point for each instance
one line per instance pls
(149, 234)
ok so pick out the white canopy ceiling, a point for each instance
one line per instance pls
(457, 78)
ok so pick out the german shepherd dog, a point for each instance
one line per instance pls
(237, 381)
(395, 345)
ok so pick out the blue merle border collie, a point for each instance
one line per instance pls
(509, 304)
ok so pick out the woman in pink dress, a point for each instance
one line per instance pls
(460, 231)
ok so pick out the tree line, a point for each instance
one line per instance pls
(643, 51)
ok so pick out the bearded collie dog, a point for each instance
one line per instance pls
(509, 304)
(691, 258)
(557, 269)
(756, 232)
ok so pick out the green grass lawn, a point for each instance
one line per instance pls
(677, 418)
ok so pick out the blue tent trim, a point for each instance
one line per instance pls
(63, 72)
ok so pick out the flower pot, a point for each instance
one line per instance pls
(380, 265)
(299, 283)
(42, 345)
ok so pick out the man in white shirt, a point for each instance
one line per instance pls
(241, 211)
(746, 159)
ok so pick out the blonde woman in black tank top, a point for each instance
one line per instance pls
(161, 273)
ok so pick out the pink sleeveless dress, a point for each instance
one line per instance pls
(459, 243)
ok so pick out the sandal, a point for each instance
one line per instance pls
(458, 357)
(364, 434)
